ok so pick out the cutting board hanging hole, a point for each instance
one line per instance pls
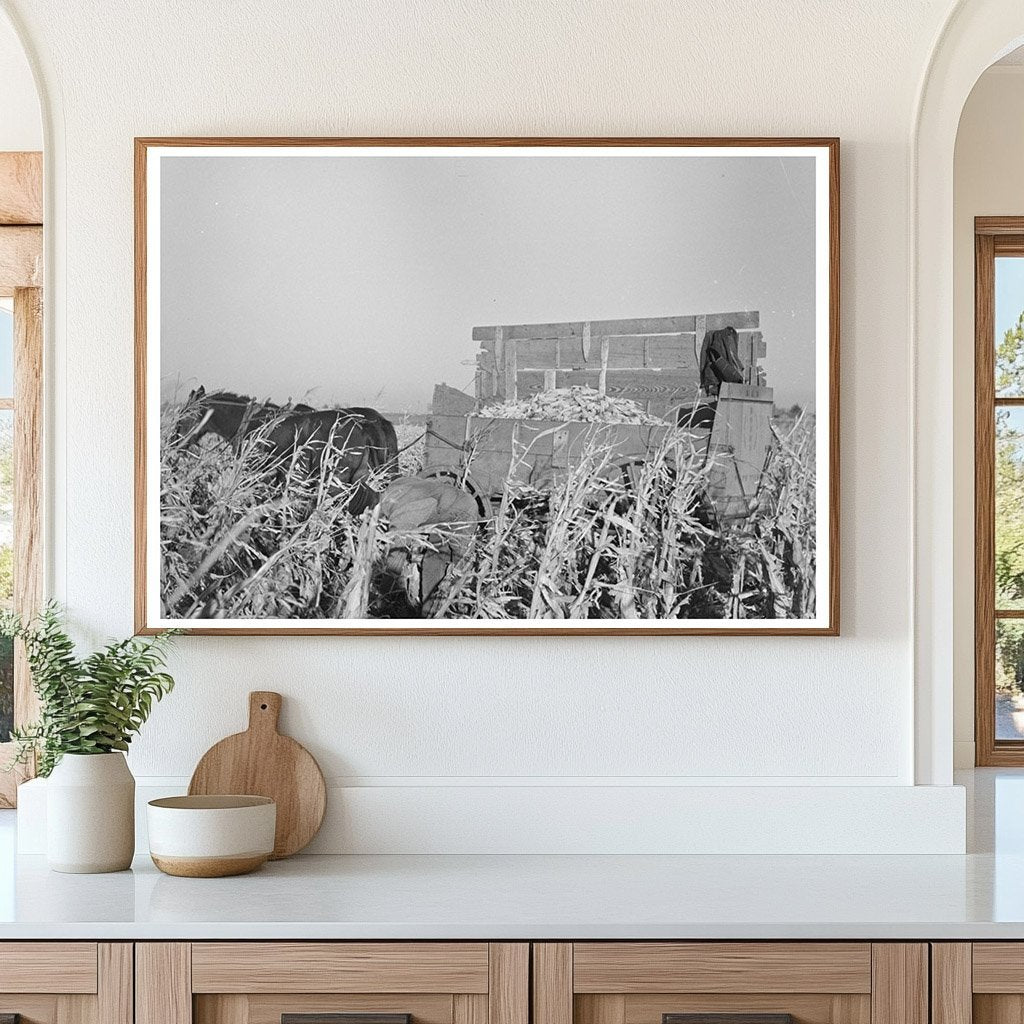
(264, 709)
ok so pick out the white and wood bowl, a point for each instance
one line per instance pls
(211, 836)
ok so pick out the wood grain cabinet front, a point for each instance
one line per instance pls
(493, 983)
(332, 983)
(978, 983)
(66, 982)
(730, 983)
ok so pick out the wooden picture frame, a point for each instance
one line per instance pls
(149, 604)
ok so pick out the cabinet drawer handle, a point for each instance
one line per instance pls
(338, 1018)
(727, 1018)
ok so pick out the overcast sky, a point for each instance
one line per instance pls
(1009, 294)
(359, 280)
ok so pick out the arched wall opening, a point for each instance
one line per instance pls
(977, 33)
(989, 154)
(21, 353)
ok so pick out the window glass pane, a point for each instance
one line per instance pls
(6, 567)
(1009, 539)
(6, 353)
(1009, 679)
(1009, 323)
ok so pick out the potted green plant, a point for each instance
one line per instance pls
(90, 708)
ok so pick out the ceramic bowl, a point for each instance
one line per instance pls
(211, 836)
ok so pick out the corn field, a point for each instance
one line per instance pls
(243, 536)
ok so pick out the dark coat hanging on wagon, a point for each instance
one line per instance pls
(719, 364)
(720, 360)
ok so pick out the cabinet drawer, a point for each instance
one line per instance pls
(998, 967)
(332, 983)
(340, 967)
(730, 983)
(65, 967)
(770, 982)
(635, 967)
(66, 982)
(981, 982)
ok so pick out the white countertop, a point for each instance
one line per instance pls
(496, 897)
(977, 896)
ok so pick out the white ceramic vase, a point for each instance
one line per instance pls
(90, 814)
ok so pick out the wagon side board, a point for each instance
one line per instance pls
(539, 452)
(653, 360)
(532, 452)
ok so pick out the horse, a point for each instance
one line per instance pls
(361, 440)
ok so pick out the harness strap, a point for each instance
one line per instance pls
(434, 433)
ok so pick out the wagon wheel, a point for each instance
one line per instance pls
(622, 476)
(465, 482)
(629, 471)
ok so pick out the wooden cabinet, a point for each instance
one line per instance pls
(307, 982)
(980, 982)
(757, 982)
(494, 983)
(66, 982)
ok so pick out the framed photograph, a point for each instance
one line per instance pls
(498, 386)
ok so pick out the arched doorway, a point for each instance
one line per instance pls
(21, 258)
(976, 34)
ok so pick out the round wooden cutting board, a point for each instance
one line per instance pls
(262, 762)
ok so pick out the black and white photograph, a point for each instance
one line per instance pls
(478, 386)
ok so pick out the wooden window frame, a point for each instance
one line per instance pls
(993, 237)
(21, 278)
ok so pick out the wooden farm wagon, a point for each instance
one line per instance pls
(654, 361)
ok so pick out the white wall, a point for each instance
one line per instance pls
(987, 181)
(20, 124)
(442, 713)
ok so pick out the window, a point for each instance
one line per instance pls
(6, 513)
(999, 490)
(21, 366)
(20, 501)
